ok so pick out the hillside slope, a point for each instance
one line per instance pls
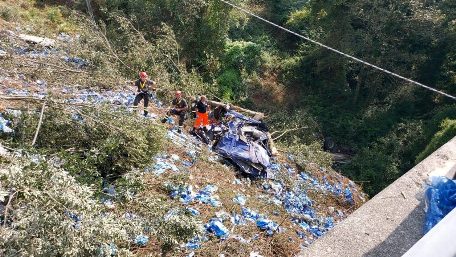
(103, 180)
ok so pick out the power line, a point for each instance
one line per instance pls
(340, 52)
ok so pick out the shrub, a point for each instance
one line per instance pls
(446, 133)
(74, 151)
(9, 13)
(51, 214)
(230, 84)
(94, 142)
(44, 211)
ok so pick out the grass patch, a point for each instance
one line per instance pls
(9, 13)
(44, 21)
(446, 133)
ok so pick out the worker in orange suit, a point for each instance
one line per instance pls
(202, 113)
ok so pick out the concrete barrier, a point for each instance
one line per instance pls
(391, 222)
(439, 241)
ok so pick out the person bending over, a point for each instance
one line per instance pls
(179, 108)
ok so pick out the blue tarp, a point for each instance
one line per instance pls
(440, 200)
(252, 158)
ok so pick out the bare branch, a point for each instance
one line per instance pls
(286, 131)
(39, 124)
(8, 206)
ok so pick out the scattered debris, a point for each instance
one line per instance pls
(206, 195)
(77, 219)
(255, 254)
(193, 211)
(268, 225)
(47, 42)
(64, 37)
(161, 165)
(244, 142)
(76, 61)
(216, 226)
(141, 240)
(184, 193)
(240, 199)
(4, 125)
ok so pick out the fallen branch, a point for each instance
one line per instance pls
(286, 131)
(20, 98)
(8, 148)
(89, 9)
(8, 205)
(39, 124)
(258, 115)
(340, 157)
(272, 147)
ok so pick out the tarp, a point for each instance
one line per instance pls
(249, 156)
(440, 200)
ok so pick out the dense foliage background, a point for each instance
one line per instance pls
(385, 124)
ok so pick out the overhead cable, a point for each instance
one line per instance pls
(340, 52)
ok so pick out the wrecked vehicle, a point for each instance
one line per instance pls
(243, 141)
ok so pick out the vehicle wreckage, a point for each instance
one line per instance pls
(244, 141)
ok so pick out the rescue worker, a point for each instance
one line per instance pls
(143, 85)
(202, 113)
(179, 108)
(195, 100)
(218, 113)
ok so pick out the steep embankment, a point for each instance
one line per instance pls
(103, 180)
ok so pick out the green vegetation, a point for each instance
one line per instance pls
(447, 131)
(86, 187)
(79, 152)
(206, 46)
(108, 144)
(8, 13)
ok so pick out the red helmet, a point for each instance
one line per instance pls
(143, 75)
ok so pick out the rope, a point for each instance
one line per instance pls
(340, 52)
